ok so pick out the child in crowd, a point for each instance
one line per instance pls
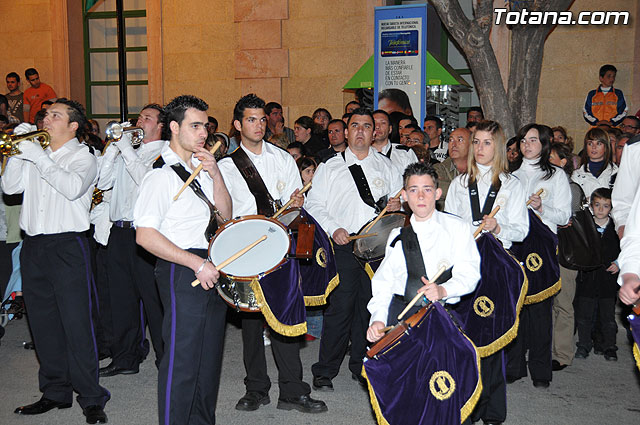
(605, 103)
(597, 289)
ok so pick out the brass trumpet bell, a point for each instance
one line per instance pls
(9, 143)
(114, 132)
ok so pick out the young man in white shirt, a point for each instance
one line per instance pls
(178, 232)
(56, 272)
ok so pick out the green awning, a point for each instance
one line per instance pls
(439, 73)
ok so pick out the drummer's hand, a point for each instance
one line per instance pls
(629, 290)
(374, 332)
(394, 204)
(341, 236)
(432, 291)
(491, 224)
(536, 202)
(298, 199)
(621, 232)
(208, 276)
(613, 268)
(208, 161)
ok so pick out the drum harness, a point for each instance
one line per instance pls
(475, 202)
(363, 187)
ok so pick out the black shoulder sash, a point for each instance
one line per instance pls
(363, 186)
(475, 202)
(197, 189)
(265, 203)
(159, 162)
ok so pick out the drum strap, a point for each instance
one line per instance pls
(197, 189)
(415, 263)
(475, 202)
(363, 187)
(265, 203)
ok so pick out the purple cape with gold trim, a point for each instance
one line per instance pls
(431, 375)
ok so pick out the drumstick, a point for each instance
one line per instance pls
(195, 172)
(290, 201)
(384, 210)
(538, 193)
(479, 229)
(234, 257)
(354, 237)
(420, 294)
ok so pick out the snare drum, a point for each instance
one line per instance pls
(373, 248)
(265, 258)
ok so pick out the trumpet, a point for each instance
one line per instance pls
(115, 130)
(9, 143)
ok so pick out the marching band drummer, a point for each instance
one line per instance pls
(349, 189)
(178, 232)
(433, 238)
(488, 180)
(129, 266)
(553, 206)
(259, 175)
(629, 259)
(57, 183)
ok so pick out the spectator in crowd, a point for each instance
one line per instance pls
(596, 166)
(605, 103)
(212, 127)
(560, 135)
(513, 154)
(275, 122)
(337, 141)
(474, 114)
(417, 137)
(15, 98)
(433, 128)
(351, 106)
(35, 95)
(471, 126)
(296, 150)
(394, 100)
(280, 140)
(455, 164)
(39, 119)
(321, 118)
(303, 130)
(620, 144)
(630, 125)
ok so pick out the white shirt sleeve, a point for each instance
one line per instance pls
(152, 203)
(389, 279)
(629, 258)
(558, 211)
(627, 183)
(513, 218)
(466, 268)
(74, 182)
(12, 179)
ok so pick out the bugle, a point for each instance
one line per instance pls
(9, 143)
(115, 130)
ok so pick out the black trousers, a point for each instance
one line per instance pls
(56, 283)
(586, 308)
(346, 318)
(286, 353)
(534, 335)
(492, 405)
(132, 281)
(193, 332)
(104, 331)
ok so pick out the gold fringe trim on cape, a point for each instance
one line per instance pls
(543, 295)
(465, 411)
(369, 270)
(510, 335)
(276, 325)
(468, 407)
(636, 354)
(314, 300)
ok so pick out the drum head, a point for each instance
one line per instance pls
(373, 248)
(288, 216)
(238, 234)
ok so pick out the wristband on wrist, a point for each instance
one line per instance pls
(206, 260)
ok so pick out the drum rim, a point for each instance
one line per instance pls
(233, 221)
(406, 221)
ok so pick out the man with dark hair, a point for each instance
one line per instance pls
(129, 266)
(400, 155)
(433, 128)
(57, 183)
(349, 190)
(15, 98)
(605, 103)
(35, 95)
(474, 114)
(265, 166)
(275, 122)
(631, 125)
(177, 232)
(351, 106)
(391, 100)
(337, 140)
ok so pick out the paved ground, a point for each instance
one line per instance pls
(591, 392)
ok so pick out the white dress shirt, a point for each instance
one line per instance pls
(629, 258)
(124, 173)
(335, 201)
(444, 240)
(627, 184)
(588, 182)
(512, 216)
(400, 157)
(277, 169)
(184, 221)
(57, 189)
(556, 197)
